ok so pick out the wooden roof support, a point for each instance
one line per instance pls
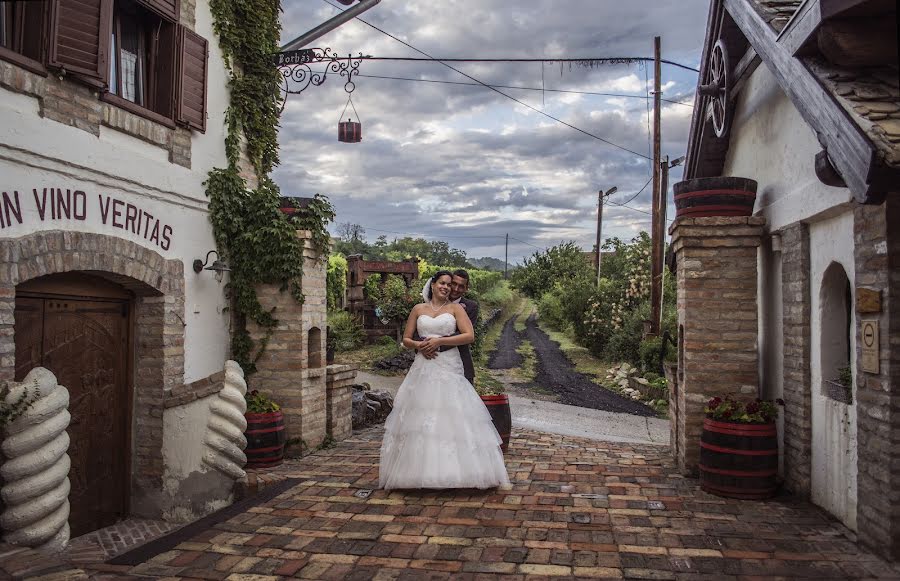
(851, 152)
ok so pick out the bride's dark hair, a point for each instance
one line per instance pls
(436, 276)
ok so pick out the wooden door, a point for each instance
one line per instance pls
(84, 342)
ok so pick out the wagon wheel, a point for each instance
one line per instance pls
(717, 88)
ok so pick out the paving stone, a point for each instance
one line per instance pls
(551, 522)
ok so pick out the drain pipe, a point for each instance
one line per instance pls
(329, 25)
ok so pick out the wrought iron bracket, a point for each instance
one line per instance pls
(297, 75)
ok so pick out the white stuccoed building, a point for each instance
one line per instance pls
(110, 120)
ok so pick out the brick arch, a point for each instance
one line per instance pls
(158, 336)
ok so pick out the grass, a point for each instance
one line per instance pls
(366, 355)
(525, 311)
(528, 370)
(487, 384)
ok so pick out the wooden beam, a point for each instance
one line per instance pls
(852, 153)
(800, 31)
(742, 71)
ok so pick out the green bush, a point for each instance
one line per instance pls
(497, 296)
(345, 331)
(336, 281)
(551, 308)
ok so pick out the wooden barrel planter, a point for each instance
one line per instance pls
(739, 460)
(265, 439)
(498, 406)
(723, 196)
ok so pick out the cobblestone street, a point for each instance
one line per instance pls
(577, 508)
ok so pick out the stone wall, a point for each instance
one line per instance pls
(717, 319)
(339, 404)
(285, 370)
(877, 260)
(795, 289)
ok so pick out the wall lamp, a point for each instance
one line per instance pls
(219, 267)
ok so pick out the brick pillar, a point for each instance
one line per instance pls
(717, 320)
(284, 370)
(339, 422)
(877, 265)
(795, 292)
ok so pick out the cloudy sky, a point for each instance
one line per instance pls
(468, 165)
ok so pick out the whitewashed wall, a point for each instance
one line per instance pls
(772, 144)
(38, 153)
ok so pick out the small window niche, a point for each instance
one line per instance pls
(836, 301)
(314, 349)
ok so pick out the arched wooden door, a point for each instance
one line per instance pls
(78, 327)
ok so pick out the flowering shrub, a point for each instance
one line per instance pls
(259, 403)
(758, 411)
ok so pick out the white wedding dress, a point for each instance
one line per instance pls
(439, 434)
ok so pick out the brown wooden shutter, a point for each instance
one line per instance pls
(170, 9)
(192, 71)
(80, 35)
(165, 69)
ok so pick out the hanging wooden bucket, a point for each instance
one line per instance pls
(290, 204)
(498, 406)
(265, 439)
(739, 460)
(722, 196)
(349, 131)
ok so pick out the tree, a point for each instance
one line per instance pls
(564, 263)
(351, 239)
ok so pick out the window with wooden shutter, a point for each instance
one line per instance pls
(171, 9)
(192, 70)
(79, 36)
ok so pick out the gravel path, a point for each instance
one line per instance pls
(505, 355)
(556, 373)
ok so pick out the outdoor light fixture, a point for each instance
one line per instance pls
(219, 267)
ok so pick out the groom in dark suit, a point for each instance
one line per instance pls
(458, 288)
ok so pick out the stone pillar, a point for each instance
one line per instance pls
(877, 264)
(287, 371)
(796, 312)
(339, 407)
(717, 320)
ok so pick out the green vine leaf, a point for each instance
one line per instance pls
(252, 234)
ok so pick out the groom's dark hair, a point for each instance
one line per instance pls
(436, 276)
(461, 274)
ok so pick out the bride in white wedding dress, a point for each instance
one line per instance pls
(439, 434)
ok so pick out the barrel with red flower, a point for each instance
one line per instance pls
(739, 448)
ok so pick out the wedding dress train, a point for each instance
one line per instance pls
(440, 434)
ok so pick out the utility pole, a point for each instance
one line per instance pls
(656, 227)
(506, 259)
(665, 166)
(600, 196)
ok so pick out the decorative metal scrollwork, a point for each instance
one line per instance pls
(297, 75)
(716, 89)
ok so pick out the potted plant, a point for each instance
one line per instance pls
(841, 387)
(739, 448)
(497, 404)
(265, 431)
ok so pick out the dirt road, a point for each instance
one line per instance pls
(557, 374)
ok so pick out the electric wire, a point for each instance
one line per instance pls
(674, 101)
(615, 60)
(520, 102)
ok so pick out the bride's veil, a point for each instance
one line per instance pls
(426, 290)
